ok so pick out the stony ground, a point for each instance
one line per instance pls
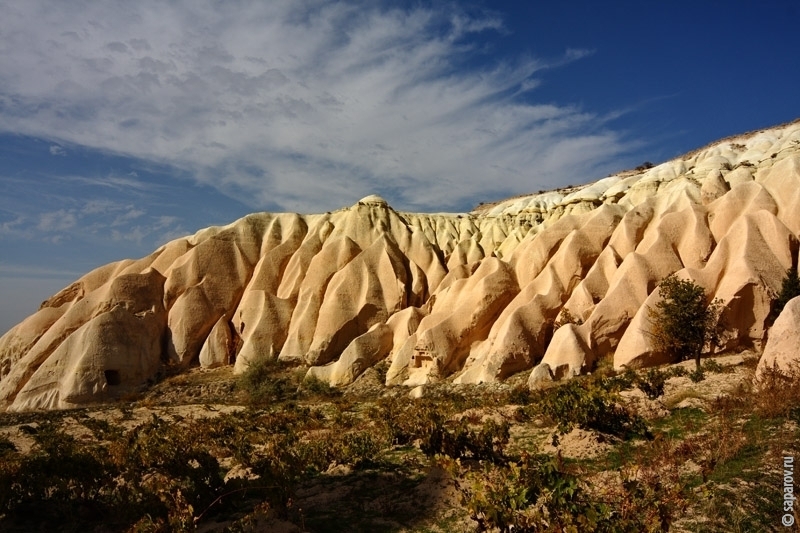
(716, 442)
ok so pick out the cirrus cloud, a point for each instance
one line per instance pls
(297, 105)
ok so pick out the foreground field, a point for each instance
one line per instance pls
(665, 449)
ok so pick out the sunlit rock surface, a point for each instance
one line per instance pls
(471, 296)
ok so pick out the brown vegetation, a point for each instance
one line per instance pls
(301, 457)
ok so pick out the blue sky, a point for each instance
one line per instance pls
(126, 124)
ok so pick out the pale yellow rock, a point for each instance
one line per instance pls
(540, 375)
(472, 294)
(403, 324)
(713, 187)
(363, 352)
(119, 329)
(262, 317)
(112, 353)
(781, 351)
(399, 369)
(137, 300)
(209, 280)
(218, 347)
(368, 290)
(744, 273)
(20, 340)
(460, 317)
(738, 176)
(594, 285)
(334, 255)
(568, 354)
(517, 338)
(636, 348)
(781, 182)
(749, 197)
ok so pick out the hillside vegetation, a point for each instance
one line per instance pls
(655, 450)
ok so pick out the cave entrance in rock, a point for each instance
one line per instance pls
(112, 377)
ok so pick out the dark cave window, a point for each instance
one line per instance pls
(112, 377)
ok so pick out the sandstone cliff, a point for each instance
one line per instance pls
(471, 296)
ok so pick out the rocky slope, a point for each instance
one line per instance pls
(469, 296)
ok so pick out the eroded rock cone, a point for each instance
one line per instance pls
(474, 296)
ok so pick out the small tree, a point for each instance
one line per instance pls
(789, 289)
(682, 323)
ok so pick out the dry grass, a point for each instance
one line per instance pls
(777, 391)
(373, 462)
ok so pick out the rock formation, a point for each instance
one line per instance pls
(474, 296)
(780, 352)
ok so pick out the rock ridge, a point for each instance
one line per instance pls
(472, 297)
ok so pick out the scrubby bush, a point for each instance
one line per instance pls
(652, 384)
(520, 394)
(457, 439)
(406, 421)
(314, 386)
(682, 323)
(591, 405)
(778, 392)
(566, 317)
(56, 473)
(264, 382)
(697, 375)
(539, 494)
(790, 288)
(713, 367)
(430, 424)
(531, 494)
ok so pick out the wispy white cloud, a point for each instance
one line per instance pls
(12, 227)
(164, 221)
(60, 220)
(126, 183)
(35, 271)
(98, 219)
(100, 206)
(135, 234)
(57, 150)
(299, 105)
(128, 216)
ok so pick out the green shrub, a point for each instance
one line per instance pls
(533, 494)
(676, 371)
(697, 375)
(360, 447)
(620, 382)
(590, 405)
(57, 473)
(170, 467)
(790, 288)
(264, 382)
(778, 392)
(381, 369)
(6, 446)
(406, 420)
(713, 367)
(682, 323)
(458, 440)
(520, 395)
(652, 384)
(313, 386)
